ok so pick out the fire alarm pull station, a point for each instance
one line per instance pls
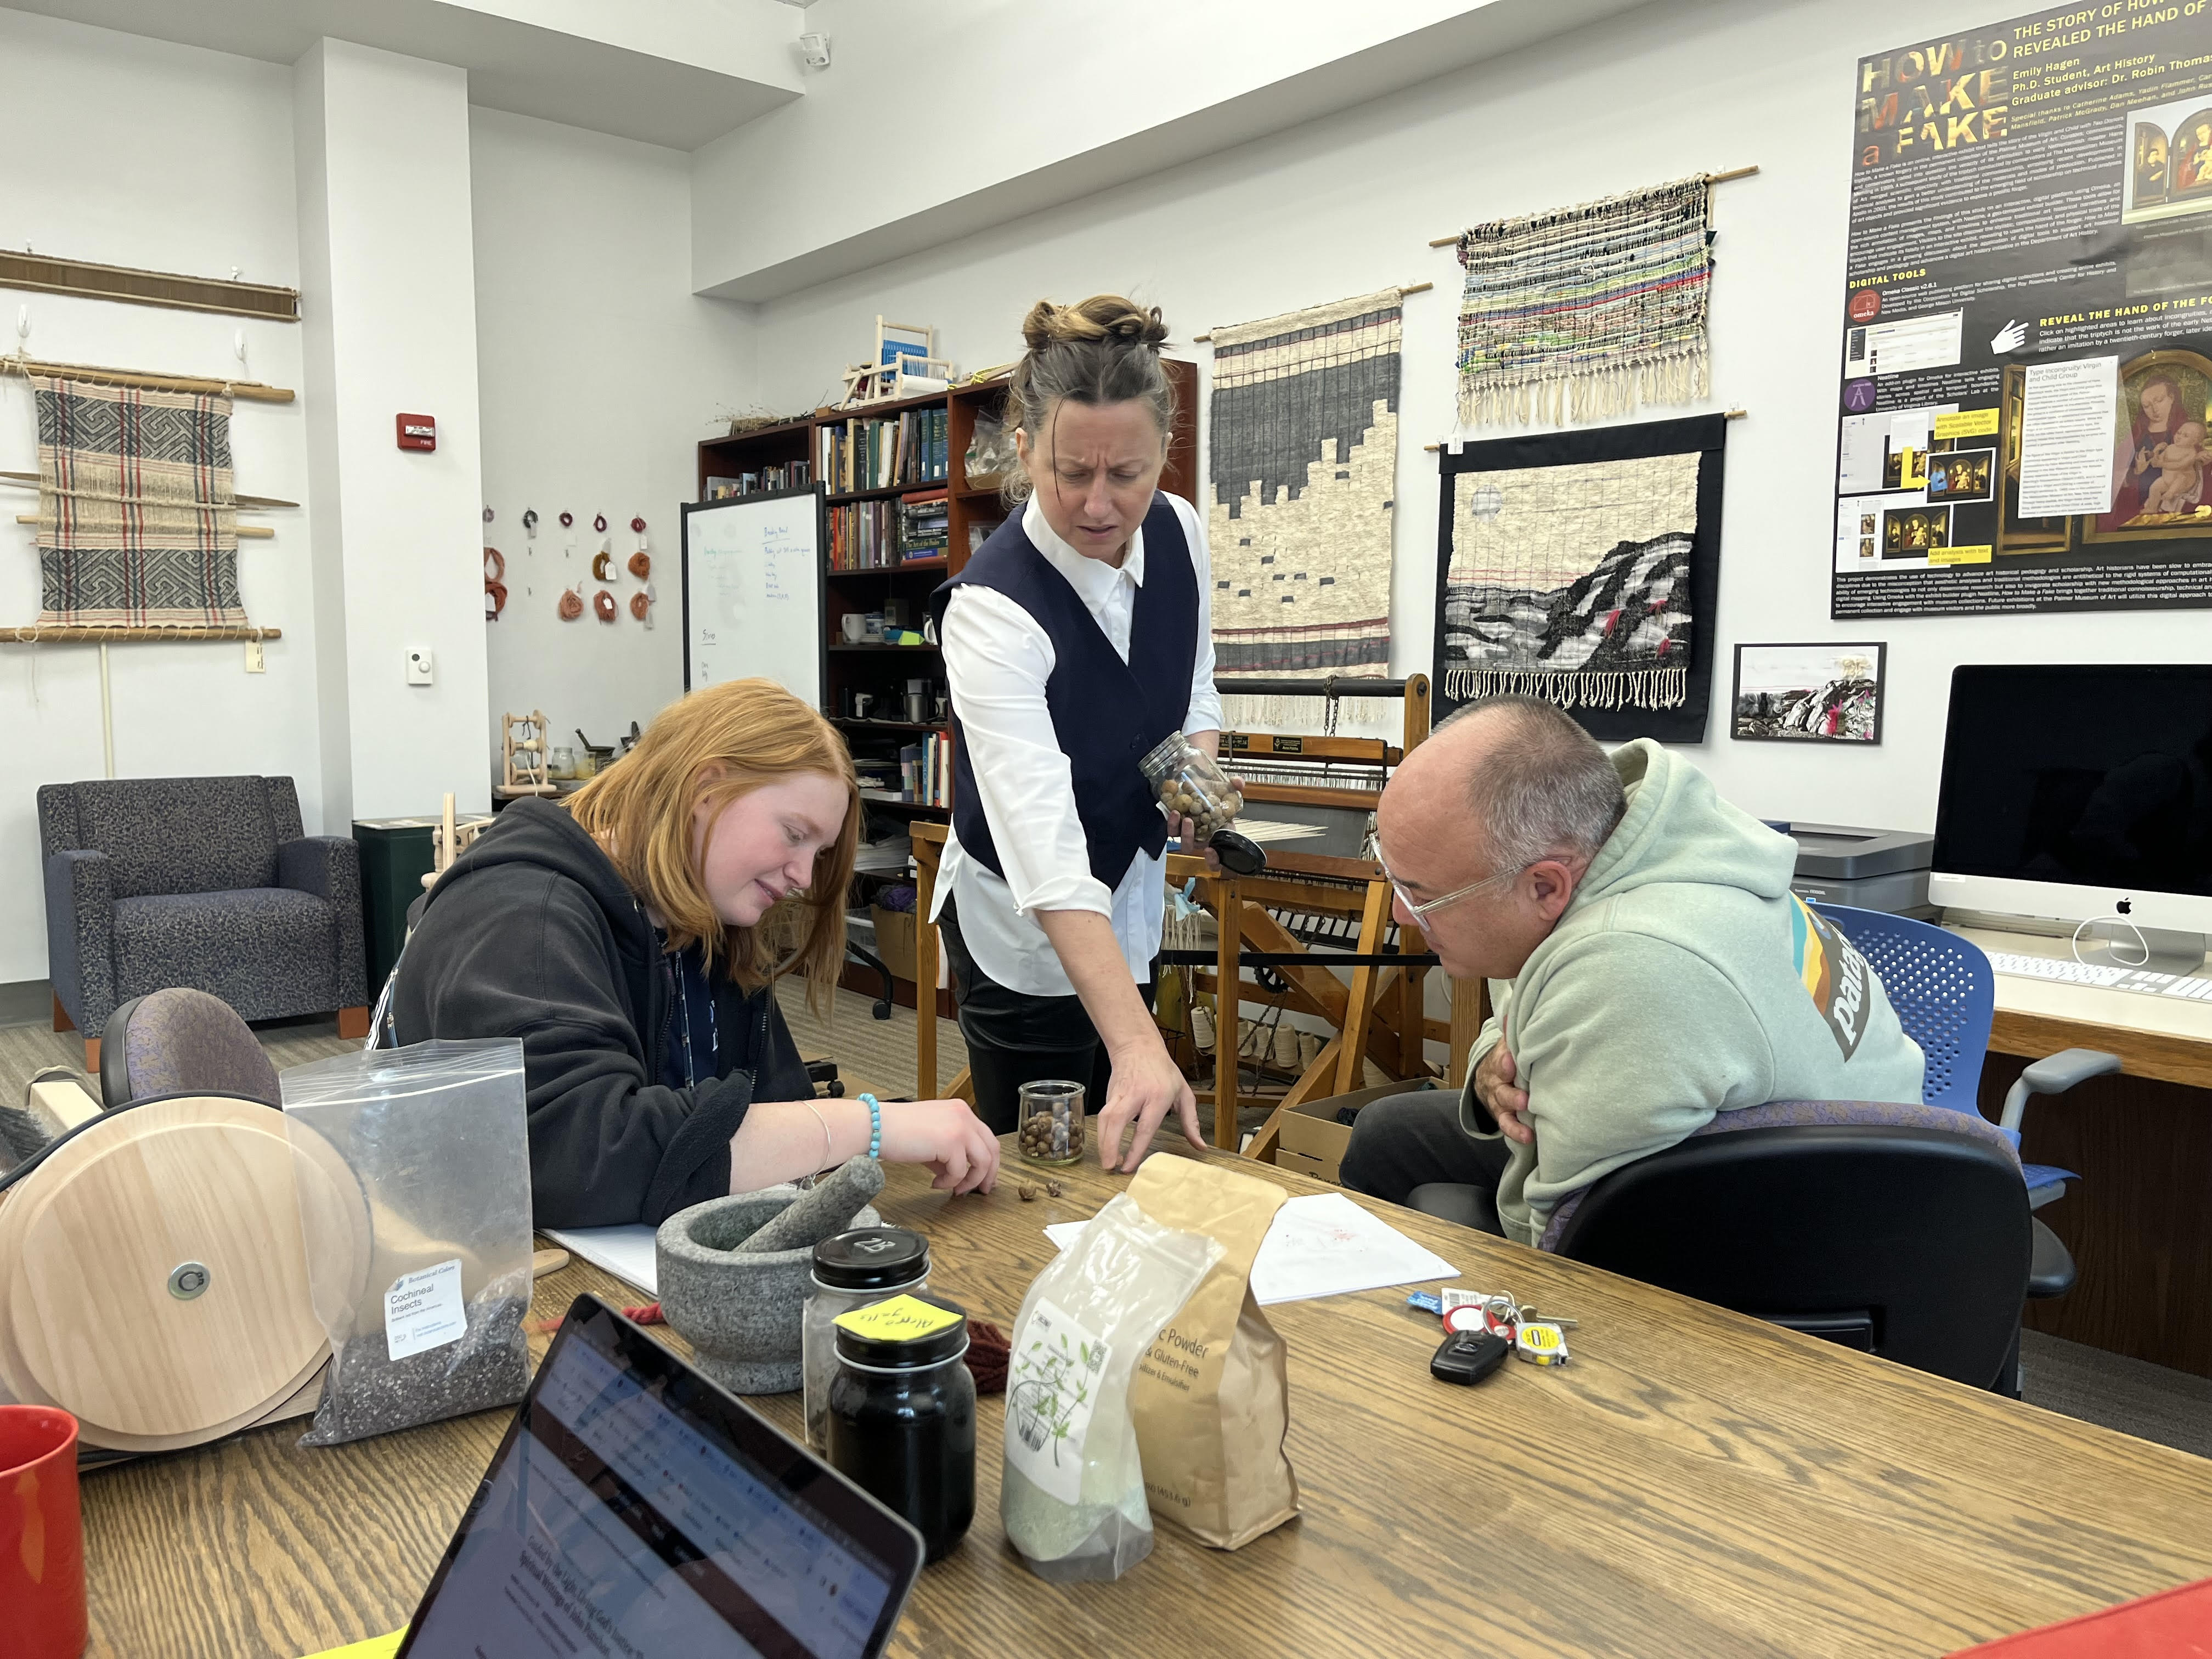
(417, 432)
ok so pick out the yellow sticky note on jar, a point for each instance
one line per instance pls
(901, 1319)
(377, 1647)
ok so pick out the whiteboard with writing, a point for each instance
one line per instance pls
(752, 591)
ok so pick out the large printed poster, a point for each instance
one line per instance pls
(2027, 336)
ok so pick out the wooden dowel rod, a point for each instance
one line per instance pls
(1732, 415)
(1710, 179)
(32, 479)
(71, 634)
(1410, 287)
(247, 531)
(252, 391)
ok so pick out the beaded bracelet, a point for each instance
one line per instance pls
(875, 1125)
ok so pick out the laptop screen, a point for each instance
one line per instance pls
(634, 1510)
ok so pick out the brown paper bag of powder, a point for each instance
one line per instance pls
(1210, 1399)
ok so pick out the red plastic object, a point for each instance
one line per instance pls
(41, 1536)
(417, 431)
(2175, 1624)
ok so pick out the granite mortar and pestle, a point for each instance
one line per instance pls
(735, 1272)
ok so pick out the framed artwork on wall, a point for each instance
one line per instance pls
(1819, 693)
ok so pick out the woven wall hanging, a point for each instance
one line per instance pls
(1303, 447)
(137, 513)
(1583, 567)
(1587, 312)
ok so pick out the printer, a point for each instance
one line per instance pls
(1868, 869)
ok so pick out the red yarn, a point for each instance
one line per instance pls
(988, 1351)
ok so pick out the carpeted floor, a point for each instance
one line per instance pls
(2129, 1396)
(26, 1049)
(878, 1053)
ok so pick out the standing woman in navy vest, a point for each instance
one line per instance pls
(1077, 637)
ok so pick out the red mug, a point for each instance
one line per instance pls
(41, 1534)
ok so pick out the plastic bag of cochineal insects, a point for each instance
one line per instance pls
(412, 1167)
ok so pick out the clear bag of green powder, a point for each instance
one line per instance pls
(413, 1171)
(1073, 1495)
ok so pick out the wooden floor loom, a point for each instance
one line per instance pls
(1322, 902)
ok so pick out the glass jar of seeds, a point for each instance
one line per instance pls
(1051, 1121)
(1187, 780)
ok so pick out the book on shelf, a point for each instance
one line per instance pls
(863, 535)
(940, 770)
(924, 524)
(789, 475)
(883, 451)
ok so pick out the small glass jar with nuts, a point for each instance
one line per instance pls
(1051, 1121)
(1189, 781)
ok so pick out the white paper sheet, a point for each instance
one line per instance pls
(2066, 437)
(625, 1252)
(1322, 1244)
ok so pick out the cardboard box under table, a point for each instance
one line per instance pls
(895, 939)
(1312, 1141)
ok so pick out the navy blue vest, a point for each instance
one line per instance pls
(1105, 714)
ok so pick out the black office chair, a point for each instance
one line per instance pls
(1900, 1231)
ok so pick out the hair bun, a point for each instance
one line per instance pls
(1102, 317)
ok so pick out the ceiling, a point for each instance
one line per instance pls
(672, 72)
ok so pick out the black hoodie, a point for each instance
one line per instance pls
(533, 934)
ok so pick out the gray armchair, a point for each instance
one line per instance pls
(206, 883)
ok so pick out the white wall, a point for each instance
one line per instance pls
(1349, 203)
(599, 373)
(385, 224)
(121, 189)
(1052, 100)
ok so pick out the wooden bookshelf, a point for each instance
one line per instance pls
(972, 512)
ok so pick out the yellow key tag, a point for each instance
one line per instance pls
(901, 1319)
(1540, 1345)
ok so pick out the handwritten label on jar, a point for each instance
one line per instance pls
(1051, 1392)
(901, 1319)
(423, 1311)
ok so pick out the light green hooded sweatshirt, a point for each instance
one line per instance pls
(1682, 980)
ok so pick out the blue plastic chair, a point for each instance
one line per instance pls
(1945, 994)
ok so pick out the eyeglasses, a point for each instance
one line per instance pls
(1418, 911)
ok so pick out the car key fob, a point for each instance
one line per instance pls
(1467, 1357)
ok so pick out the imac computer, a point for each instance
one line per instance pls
(2082, 792)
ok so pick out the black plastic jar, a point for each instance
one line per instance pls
(903, 1413)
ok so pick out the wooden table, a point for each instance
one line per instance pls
(1694, 1484)
(2136, 1222)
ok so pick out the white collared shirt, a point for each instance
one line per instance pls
(997, 658)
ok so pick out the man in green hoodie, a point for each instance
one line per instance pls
(1649, 966)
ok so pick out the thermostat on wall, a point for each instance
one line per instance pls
(417, 432)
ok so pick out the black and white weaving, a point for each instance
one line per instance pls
(1583, 567)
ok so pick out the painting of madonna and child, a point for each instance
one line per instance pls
(2160, 451)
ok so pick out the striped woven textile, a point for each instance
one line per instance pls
(137, 516)
(1304, 451)
(1588, 311)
